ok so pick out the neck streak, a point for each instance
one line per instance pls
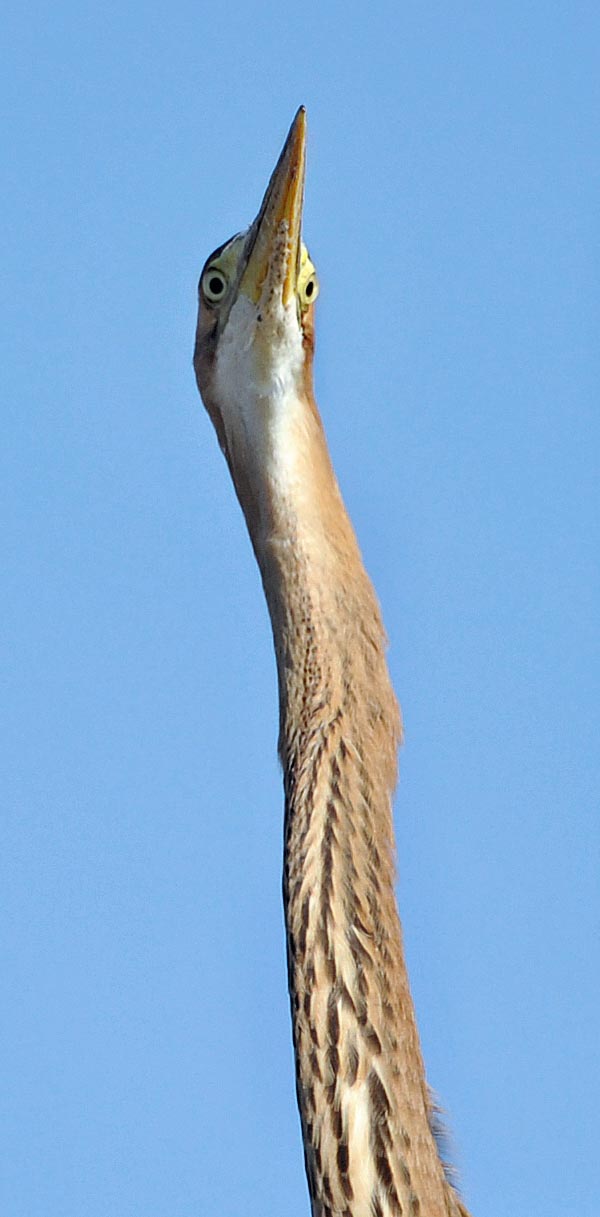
(363, 1099)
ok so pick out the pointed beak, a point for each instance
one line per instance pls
(274, 248)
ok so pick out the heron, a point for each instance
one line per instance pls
(368, 1121)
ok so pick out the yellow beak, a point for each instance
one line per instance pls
(274, 246)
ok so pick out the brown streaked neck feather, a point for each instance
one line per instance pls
(361, 1087)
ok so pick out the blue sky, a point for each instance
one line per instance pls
(452, 213)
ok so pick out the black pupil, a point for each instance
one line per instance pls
(310, 287)
(215, 286)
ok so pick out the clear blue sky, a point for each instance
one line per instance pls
(452, 214)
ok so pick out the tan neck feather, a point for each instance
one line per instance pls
(363, 1099)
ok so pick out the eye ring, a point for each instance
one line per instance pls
(309, 290)
(214, 285)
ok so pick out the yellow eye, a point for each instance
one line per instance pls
(214, 285)
(309, 290)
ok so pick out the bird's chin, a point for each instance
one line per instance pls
(261, 347)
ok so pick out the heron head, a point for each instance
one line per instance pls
(255, 337)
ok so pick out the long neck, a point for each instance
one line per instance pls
(363, 1099)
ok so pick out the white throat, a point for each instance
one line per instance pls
(257, 376)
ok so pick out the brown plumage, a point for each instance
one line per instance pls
(364, 1104)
